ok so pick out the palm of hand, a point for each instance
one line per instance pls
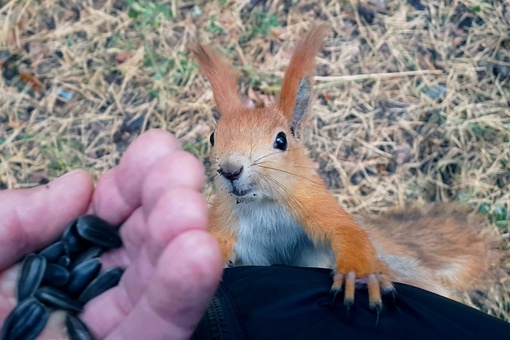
(172, 265)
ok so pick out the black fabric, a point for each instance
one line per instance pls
(282, 302)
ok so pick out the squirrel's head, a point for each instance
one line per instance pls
(256, 152)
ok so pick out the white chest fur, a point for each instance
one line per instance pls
(268, 234)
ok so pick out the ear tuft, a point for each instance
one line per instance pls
(221, 75)
(297, 89)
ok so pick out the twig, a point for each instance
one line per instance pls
(334, 80)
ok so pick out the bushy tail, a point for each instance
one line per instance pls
(441, 248)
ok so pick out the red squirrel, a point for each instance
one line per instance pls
(270, 205)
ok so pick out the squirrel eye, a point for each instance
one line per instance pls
(211, 139)
(280, 142)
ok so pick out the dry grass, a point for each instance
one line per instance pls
(412, 105)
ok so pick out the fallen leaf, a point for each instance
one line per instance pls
(277, 32)
(123, 56)
(14, 123)
(457, 41)
(30, 79)
(381, 168)
(327, 98)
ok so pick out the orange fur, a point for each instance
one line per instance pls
(301, 64)
(279, 189)
(220, 217)
(308, 201)
(222, 77)
(325, 220)
(451, 252)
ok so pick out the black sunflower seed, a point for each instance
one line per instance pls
(102, 283)
(64, 276)
(53, 251)
(76, 329)
(82, 275)
(55, 298)
(55, 275)
(64, 261)
(31, 275)
(25, 321)
(98, 231)
(73, 243)
(92, 252)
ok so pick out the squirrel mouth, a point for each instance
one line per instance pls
(239, 193)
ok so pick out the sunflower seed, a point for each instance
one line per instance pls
(73, 243)
(98, 231)
(53, 251)
(64, 276)
(31, 275)
(25, 321)
(55, 275)
(82, 275)
(102, 283)
(55, 298)
(92, 252)
(64, 261)
(76, 329)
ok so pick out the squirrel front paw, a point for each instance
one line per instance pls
(378, 284)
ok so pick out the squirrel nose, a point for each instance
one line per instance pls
(230, 172)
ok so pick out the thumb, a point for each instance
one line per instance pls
(32, 218)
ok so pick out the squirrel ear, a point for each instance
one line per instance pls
(222, 77)
(297, 88)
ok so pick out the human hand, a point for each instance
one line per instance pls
(173, 266)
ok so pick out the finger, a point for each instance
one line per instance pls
(32, 218)
(187, 276)
(168, 173)
(119, 192)
(133, 233)
(106, 312)
(165, 174)
(177, 211)
(8, 281)
(166, 221)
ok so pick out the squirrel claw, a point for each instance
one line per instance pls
(378, 287)
(349, 288)
(334, 291)
(374, 292)
(378, 313)
(347, 305)
(389, 296)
